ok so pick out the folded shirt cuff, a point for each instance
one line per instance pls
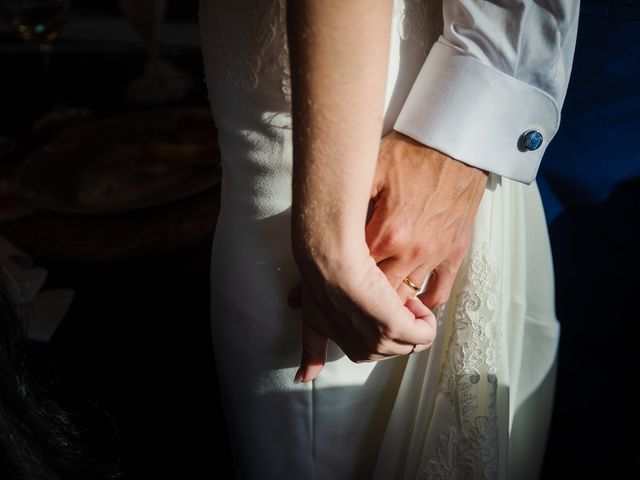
(479, 115)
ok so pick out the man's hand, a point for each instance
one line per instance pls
(424, 205)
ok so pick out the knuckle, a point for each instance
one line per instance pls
(421, 250)
(395, 239)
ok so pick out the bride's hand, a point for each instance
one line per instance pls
(338, 63)
(347, 298)
(424, 208)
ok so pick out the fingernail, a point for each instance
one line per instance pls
(298, 377)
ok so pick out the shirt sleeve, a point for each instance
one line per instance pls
(490, 91)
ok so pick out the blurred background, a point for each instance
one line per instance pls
(109, 183)
(109, 192)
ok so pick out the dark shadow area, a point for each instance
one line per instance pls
(596, 260)
(132, 360)
(590, 184)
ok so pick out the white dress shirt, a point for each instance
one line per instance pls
(498, 71)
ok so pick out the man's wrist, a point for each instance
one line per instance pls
(479, 115)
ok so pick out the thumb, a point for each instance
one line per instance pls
(314, 355)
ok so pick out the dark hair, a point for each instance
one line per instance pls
(37, 439)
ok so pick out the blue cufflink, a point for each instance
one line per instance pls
(530, 140)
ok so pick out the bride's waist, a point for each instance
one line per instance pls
(254, 148)
(253, 193)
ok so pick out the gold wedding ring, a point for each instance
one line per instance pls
(413, 286)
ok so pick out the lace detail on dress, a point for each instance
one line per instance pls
(247, 38)
(419, 21)
(469, 448)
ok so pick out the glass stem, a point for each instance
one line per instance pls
(45, 51)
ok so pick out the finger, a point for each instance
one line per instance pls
(314, 355)
(375, 224)
(419, 309)
(382, 234)
(416, 307)
(417, 278)
(428, 325)
(421, 331)
(396, 269)
(395, 320)
(422, 312)
(440, 284)
(295, 296)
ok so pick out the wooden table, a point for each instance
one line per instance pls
(108, 237)
(133, 357)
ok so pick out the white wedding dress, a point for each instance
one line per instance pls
(474, 406)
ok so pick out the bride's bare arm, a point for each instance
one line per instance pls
(339, 52)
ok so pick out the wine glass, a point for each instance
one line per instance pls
(37, 21)
(41, 22)
(161, 81)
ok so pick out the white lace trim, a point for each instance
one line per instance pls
(469, 449)
(413, 21)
